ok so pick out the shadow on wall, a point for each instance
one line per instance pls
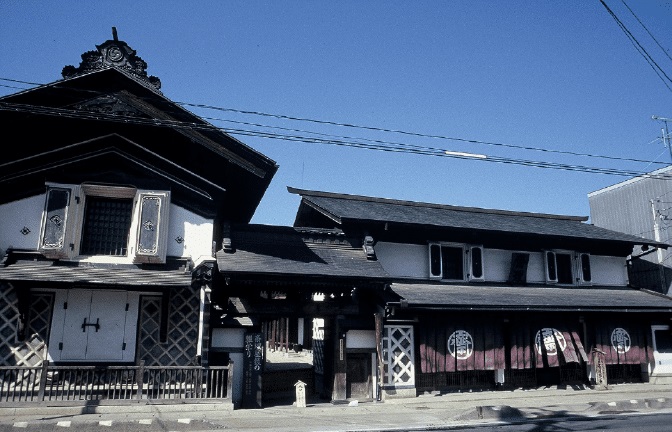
(649, 275)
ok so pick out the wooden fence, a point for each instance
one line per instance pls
(83, 383)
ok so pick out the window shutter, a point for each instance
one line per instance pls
(518, 270)
(476, 269)
(551, 268)
(435, 261)
(52, 242)
(152, 227)
(585, 270)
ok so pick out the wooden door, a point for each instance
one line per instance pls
(95, 325)
(359, 381)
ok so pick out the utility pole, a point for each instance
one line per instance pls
(665, 131)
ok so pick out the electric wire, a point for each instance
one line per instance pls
(382, 146)
(640, 49)
(363, 127)
(647, 30)
(415, 134)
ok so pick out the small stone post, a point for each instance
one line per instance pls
(600, 370)
(300, 394)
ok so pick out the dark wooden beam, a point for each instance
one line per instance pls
(261, 307)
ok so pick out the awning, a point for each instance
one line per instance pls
(623, 342)
(46, 272)
(547, 298)
(460, 345)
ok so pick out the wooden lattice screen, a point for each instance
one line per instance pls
(33, 350)
(399, 356)
(181, 344)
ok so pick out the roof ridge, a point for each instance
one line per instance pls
(321, 194)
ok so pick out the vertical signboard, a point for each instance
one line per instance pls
(252, 366)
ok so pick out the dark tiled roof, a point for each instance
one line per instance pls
(280, 250)
(489, 297)
(348, 208)
(89, 274)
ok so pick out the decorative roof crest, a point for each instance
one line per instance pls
(113, 53)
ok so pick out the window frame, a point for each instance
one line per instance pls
(576, 266)
(467, 261)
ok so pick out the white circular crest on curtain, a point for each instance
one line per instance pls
(548, 337)
(620, 340)
(461, 345)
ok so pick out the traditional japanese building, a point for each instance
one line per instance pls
(486, 298)
(113, 198)
(130, 270)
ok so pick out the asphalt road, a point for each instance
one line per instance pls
(621, 422)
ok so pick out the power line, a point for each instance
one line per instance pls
(642, 51)
(415, 134)
(380, 146)
(362, 127)
(647, 30)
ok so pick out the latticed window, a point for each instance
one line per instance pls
(107, 223)
(399, 355)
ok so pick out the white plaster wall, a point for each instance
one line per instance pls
(608, 270)
(412, 261)
(227, 338)
(360, 339)
(196, 231)
(16, 215)
(496, 265)
(403, 260)
(536, 268)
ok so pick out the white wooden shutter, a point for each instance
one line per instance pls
(551, 267)
(151, 245)
(476, 267)
(53, 242)
(583, 269)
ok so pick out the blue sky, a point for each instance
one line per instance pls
(558, 76)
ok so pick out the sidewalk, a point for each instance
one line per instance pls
(423, 412)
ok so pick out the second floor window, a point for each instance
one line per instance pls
(567, 268)
(107, 223)
(455, 262)
(81, 221)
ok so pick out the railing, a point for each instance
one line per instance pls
(83, 383)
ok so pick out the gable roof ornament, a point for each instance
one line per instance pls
(113, 53)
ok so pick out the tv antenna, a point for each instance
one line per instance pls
(665, 131)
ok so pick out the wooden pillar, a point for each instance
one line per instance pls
(378, 317)
(281, 332)
(286, 334)
(339, 361)
(273, 334)
(328, 360)
(205, 323)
